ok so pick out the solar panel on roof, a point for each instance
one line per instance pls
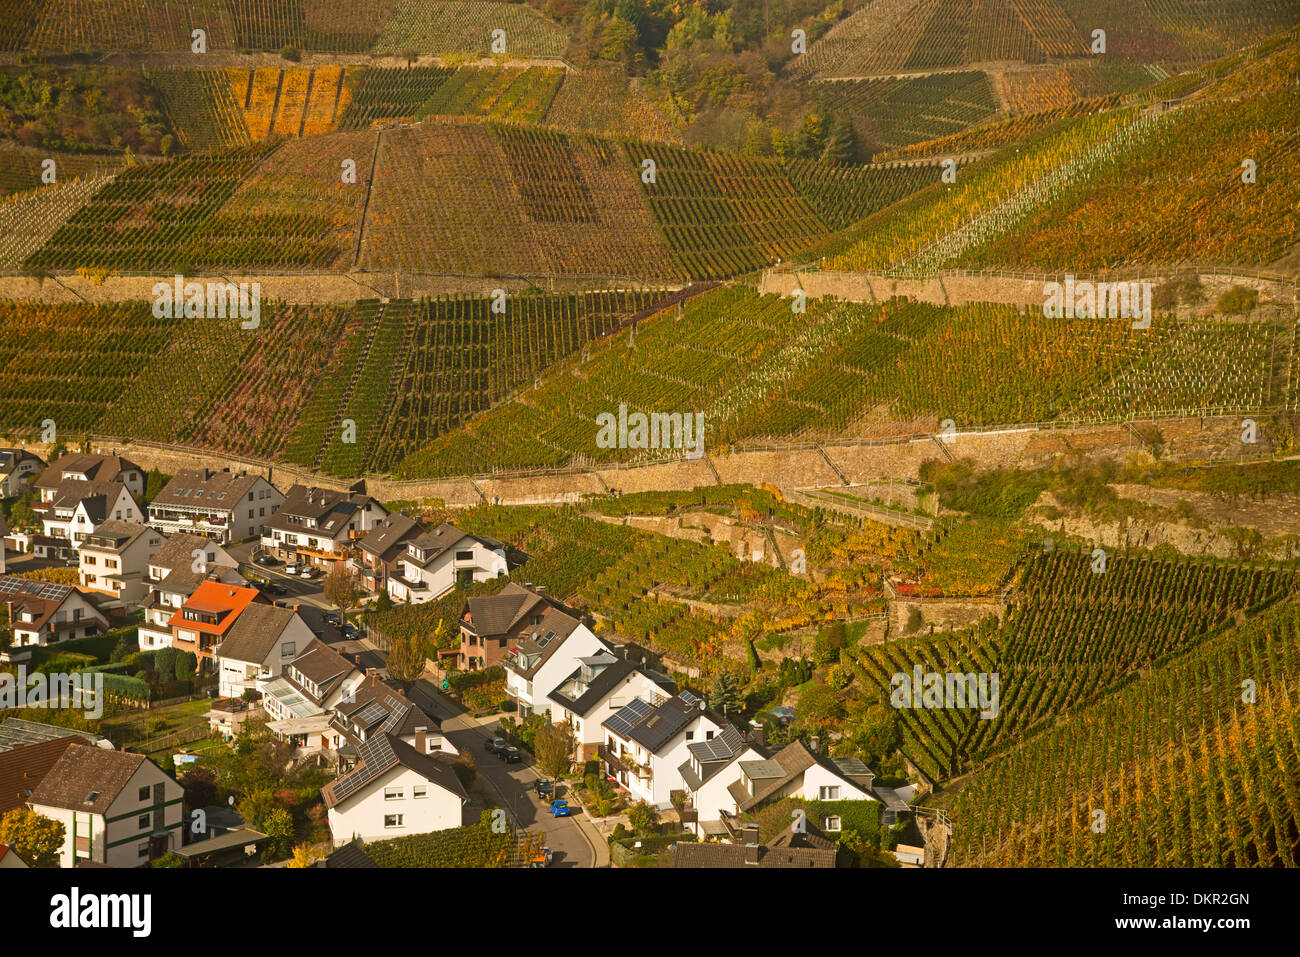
(542, 642)
(627, 716)
(371, 712)
(395, 718)
(376, 757)
(689, 698)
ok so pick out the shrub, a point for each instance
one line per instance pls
(1237, 301)
(291, 53)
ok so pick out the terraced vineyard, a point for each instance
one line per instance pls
(1070, 636)
(755, 369)
(20, 167)
(28, 220)
(1187, 772)
(89, 356)
(1176, 195)
(461, 26)
(889, 113)
(606, 102)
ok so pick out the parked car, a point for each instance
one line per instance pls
(274, 588)
(267, 560)
(350, 632)
(509, 755)
(545, 788)
(291, 569)
(542, 858)
(334, 618)
(560, 809)
(493, 745)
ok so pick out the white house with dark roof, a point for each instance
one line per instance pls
(225, 506)
(90, 467)
(647, 741)
(545, 653)
(320, 526)
(17, 469)
(435, 562)
(114, 560)
(174, 571)
(799, 771)
(262, 640)
(600, 686)
(711, 766)
(382, 548)
(117, 808)
(74, 508)
(394, 790)
(43, 613)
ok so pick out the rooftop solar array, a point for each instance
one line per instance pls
(376, 757)
(851, 766)
(371, 713)
(543, 642)
(10, 585)
(395, 719)
(690, 698)
(626, 717)
(716, 749)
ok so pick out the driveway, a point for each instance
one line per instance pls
(513, 783)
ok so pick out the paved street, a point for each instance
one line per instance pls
(513, 783)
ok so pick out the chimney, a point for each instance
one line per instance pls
(419, 740)
(756, 735)
(373, 675)
(749, 837)
(814, 744)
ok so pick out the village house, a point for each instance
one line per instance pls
(436, 562)
(802, 848)
(75, 508)
(91, 467)
(382, 548)
(17, 468)
(43, 613)
(711, 766)
(376, 707)
(300, 702)
(114, 560)
(544, 653)
(23, 768)
(647, 741)
(207, 616)
(491, 624)
(601, 685)
(257, 646)
(117, 808)
(395, 789)
(799, 771)
(319, 526)
(173, 573)
(225, 506)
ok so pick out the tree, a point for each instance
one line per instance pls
(406, 659)
(304, 855)
(643, 817)
(726, 695)
(553, 745)
(170, 859)
(36, 839)
(200, 788)
(164, 662)
(21, 515)
(819, 706)
(278, 826)
(187, 664)
(343, 586)
(155, 482)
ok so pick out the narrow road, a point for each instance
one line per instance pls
(512, 783)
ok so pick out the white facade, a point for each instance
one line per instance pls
(76, 617)
(395, 804)
(712, 797)
(121, 836)
(587, 731)
(74, 523)
(119, 573)
(237, 675)
(411, 582)
(155, 631)
(533, 694)
(659, 776)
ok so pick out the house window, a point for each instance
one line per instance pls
(143, 822)
(831, 822)
(392, 820)
(287, 650)
(392, 794)
(144, 793)
(465, 556)
(690, 735)
(143, 850)
(708, 735)
(420, 791)
(828, 793)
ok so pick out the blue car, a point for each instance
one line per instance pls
(560, 808)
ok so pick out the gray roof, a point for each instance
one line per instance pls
(115, 535)
(87, 779)
(385, 752)
(205, 489)
(349, 855)
(654, 727)
(17, 732)
(105, 468)
(331, 510)
(601, 684)
(386, 540)
(254, 633)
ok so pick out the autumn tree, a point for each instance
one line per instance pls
(36, 839)
(554, 748)
(343, 586)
